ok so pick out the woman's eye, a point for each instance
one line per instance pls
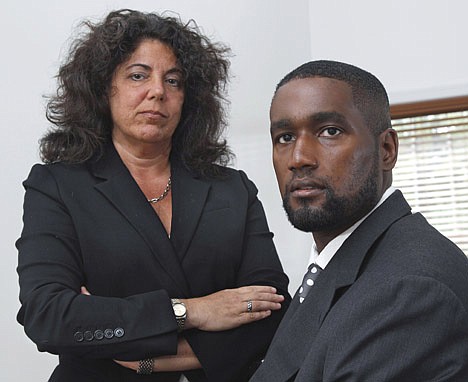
(175, 82)
(137, 76)
(285, 138)
(330, 132)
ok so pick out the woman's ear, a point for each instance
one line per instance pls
(388, 141)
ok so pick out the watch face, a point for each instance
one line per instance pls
(179, 310)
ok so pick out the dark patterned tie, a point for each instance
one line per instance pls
(309, 280)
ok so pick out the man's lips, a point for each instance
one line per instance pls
(305, 188)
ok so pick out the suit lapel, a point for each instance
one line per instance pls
(119, 187)
(189, 194)
(302, 322)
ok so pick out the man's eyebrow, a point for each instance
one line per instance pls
(280, 124)
(327, 116)
(316, 118)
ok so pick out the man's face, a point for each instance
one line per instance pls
(325, 157)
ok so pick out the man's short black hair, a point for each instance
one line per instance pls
(369, 95)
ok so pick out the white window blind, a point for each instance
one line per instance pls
(432, 170)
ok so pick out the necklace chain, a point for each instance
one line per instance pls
(163, 195)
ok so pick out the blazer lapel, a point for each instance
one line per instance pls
(301, 323)
(119, 187)
(189, 195)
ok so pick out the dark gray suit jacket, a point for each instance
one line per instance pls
(392, 305)
(90, 224)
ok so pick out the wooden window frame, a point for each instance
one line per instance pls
(436, 106)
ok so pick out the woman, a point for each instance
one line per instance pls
(141, 253)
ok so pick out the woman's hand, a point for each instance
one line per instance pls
(185, 359)
(231, 308)
(85, 291)
(130, 364)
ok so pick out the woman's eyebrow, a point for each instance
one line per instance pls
(175, 69)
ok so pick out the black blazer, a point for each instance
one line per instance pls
(90, 224)
(392, 305)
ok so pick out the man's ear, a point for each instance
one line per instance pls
(388, 143)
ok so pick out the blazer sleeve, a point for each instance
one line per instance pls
(55, 315)
(234, 355)
(410, 329)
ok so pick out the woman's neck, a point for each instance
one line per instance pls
(144, 161)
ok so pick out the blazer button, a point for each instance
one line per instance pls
(108, 333)
(99, 334)
(88, 336)
(78, 336)
(119, 332)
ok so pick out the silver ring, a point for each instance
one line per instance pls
(249, 306)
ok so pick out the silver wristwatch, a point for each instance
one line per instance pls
(180, 311)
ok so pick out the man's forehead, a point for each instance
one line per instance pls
(311, 92)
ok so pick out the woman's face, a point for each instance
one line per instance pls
(146, 97)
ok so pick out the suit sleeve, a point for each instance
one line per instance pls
(411, 329)
(55, 315)
(234, 355)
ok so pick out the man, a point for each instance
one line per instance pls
(387, 293)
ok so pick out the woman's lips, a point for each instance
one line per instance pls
(153, 114)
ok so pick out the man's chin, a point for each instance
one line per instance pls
(297, 204)
(303, 218)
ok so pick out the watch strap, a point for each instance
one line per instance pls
(179, 318)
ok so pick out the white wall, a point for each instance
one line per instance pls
(416, 47)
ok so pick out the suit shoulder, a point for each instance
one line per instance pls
(229, 174)
(413, 247)
(56, 169)
(53, 175)
(417, 235)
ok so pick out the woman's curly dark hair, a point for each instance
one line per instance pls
(80, 109)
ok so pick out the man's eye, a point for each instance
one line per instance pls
(330, 132)
(285, 138)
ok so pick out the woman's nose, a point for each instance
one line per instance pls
(156, 90)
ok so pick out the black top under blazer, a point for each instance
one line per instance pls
(90, 224)
(391, 306)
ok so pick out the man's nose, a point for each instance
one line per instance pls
(304, 154)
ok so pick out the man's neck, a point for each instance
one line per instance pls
(322, 238)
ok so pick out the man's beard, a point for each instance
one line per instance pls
(338, 212)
